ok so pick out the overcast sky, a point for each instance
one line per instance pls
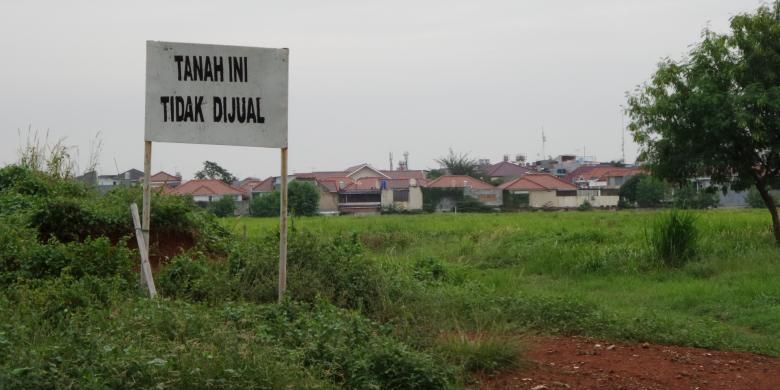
(366, 78)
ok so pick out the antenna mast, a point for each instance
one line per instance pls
(623, 133)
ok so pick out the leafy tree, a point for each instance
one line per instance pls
(435, 173)
(459, 164)
(717, 111)
(212, 170)
(650, 192)
(628, 190)
(302, 199)
(265, 205)
(223, 207)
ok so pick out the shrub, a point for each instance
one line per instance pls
(184, 277)
(650, 192)
(628, 191)
(673, 238)
(15, 245)
(754, 199)
(585, 206)
(351, 350)
(302, 199)
(266, 205)
(472, 205)
(481, 353)
(334, 269)
(95, 257)
(686, 197)
(225, 206)
(429, 269)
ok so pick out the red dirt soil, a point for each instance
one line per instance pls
(163, 248)
(584, 363)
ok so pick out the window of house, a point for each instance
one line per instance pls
(360, 198)
(400, 195)
(566, 193)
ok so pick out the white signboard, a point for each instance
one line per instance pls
(220, 95)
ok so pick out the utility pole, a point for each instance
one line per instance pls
(544, 141)
(623, 133)
(391, 161)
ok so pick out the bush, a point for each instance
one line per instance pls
(303, 198)
(686, 197)
(650, 192)
(352, 351)
(481, 353)
(673, 238)
(223, 207)
(472, 205)
(585, 206)
(184, 277)
(334, 269)
(429, 269)
(628, 191)
(266, 205)
(754, 199)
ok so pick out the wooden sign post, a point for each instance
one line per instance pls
(217, 95)
(143, 248)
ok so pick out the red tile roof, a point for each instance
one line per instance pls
(163, 176)
(332, 184)
(419, 175)
(319, 175)
(266, 185)
(459, 181)
(506, 169)
(601, 172)
(537, 182)
(205, 187)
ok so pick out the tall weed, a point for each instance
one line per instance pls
(674, 238)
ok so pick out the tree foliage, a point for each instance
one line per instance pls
(628, 190)
(212, 170)
(459, 164)
(302, 199)
(687, 197)
(223, 207)
(717, 112)
(650, 192)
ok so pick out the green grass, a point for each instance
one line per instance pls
(589, 273)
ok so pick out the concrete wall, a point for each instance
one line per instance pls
(542, 199)
(329, 202)
(415, 200)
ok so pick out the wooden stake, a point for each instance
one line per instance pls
(283, 229)
(147, 199)
(146, 268)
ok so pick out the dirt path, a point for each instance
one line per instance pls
(584, 363)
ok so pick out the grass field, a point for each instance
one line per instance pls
(587, 273)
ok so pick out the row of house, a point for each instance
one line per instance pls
(362, 189)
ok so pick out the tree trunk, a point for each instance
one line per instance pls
(770, 204)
